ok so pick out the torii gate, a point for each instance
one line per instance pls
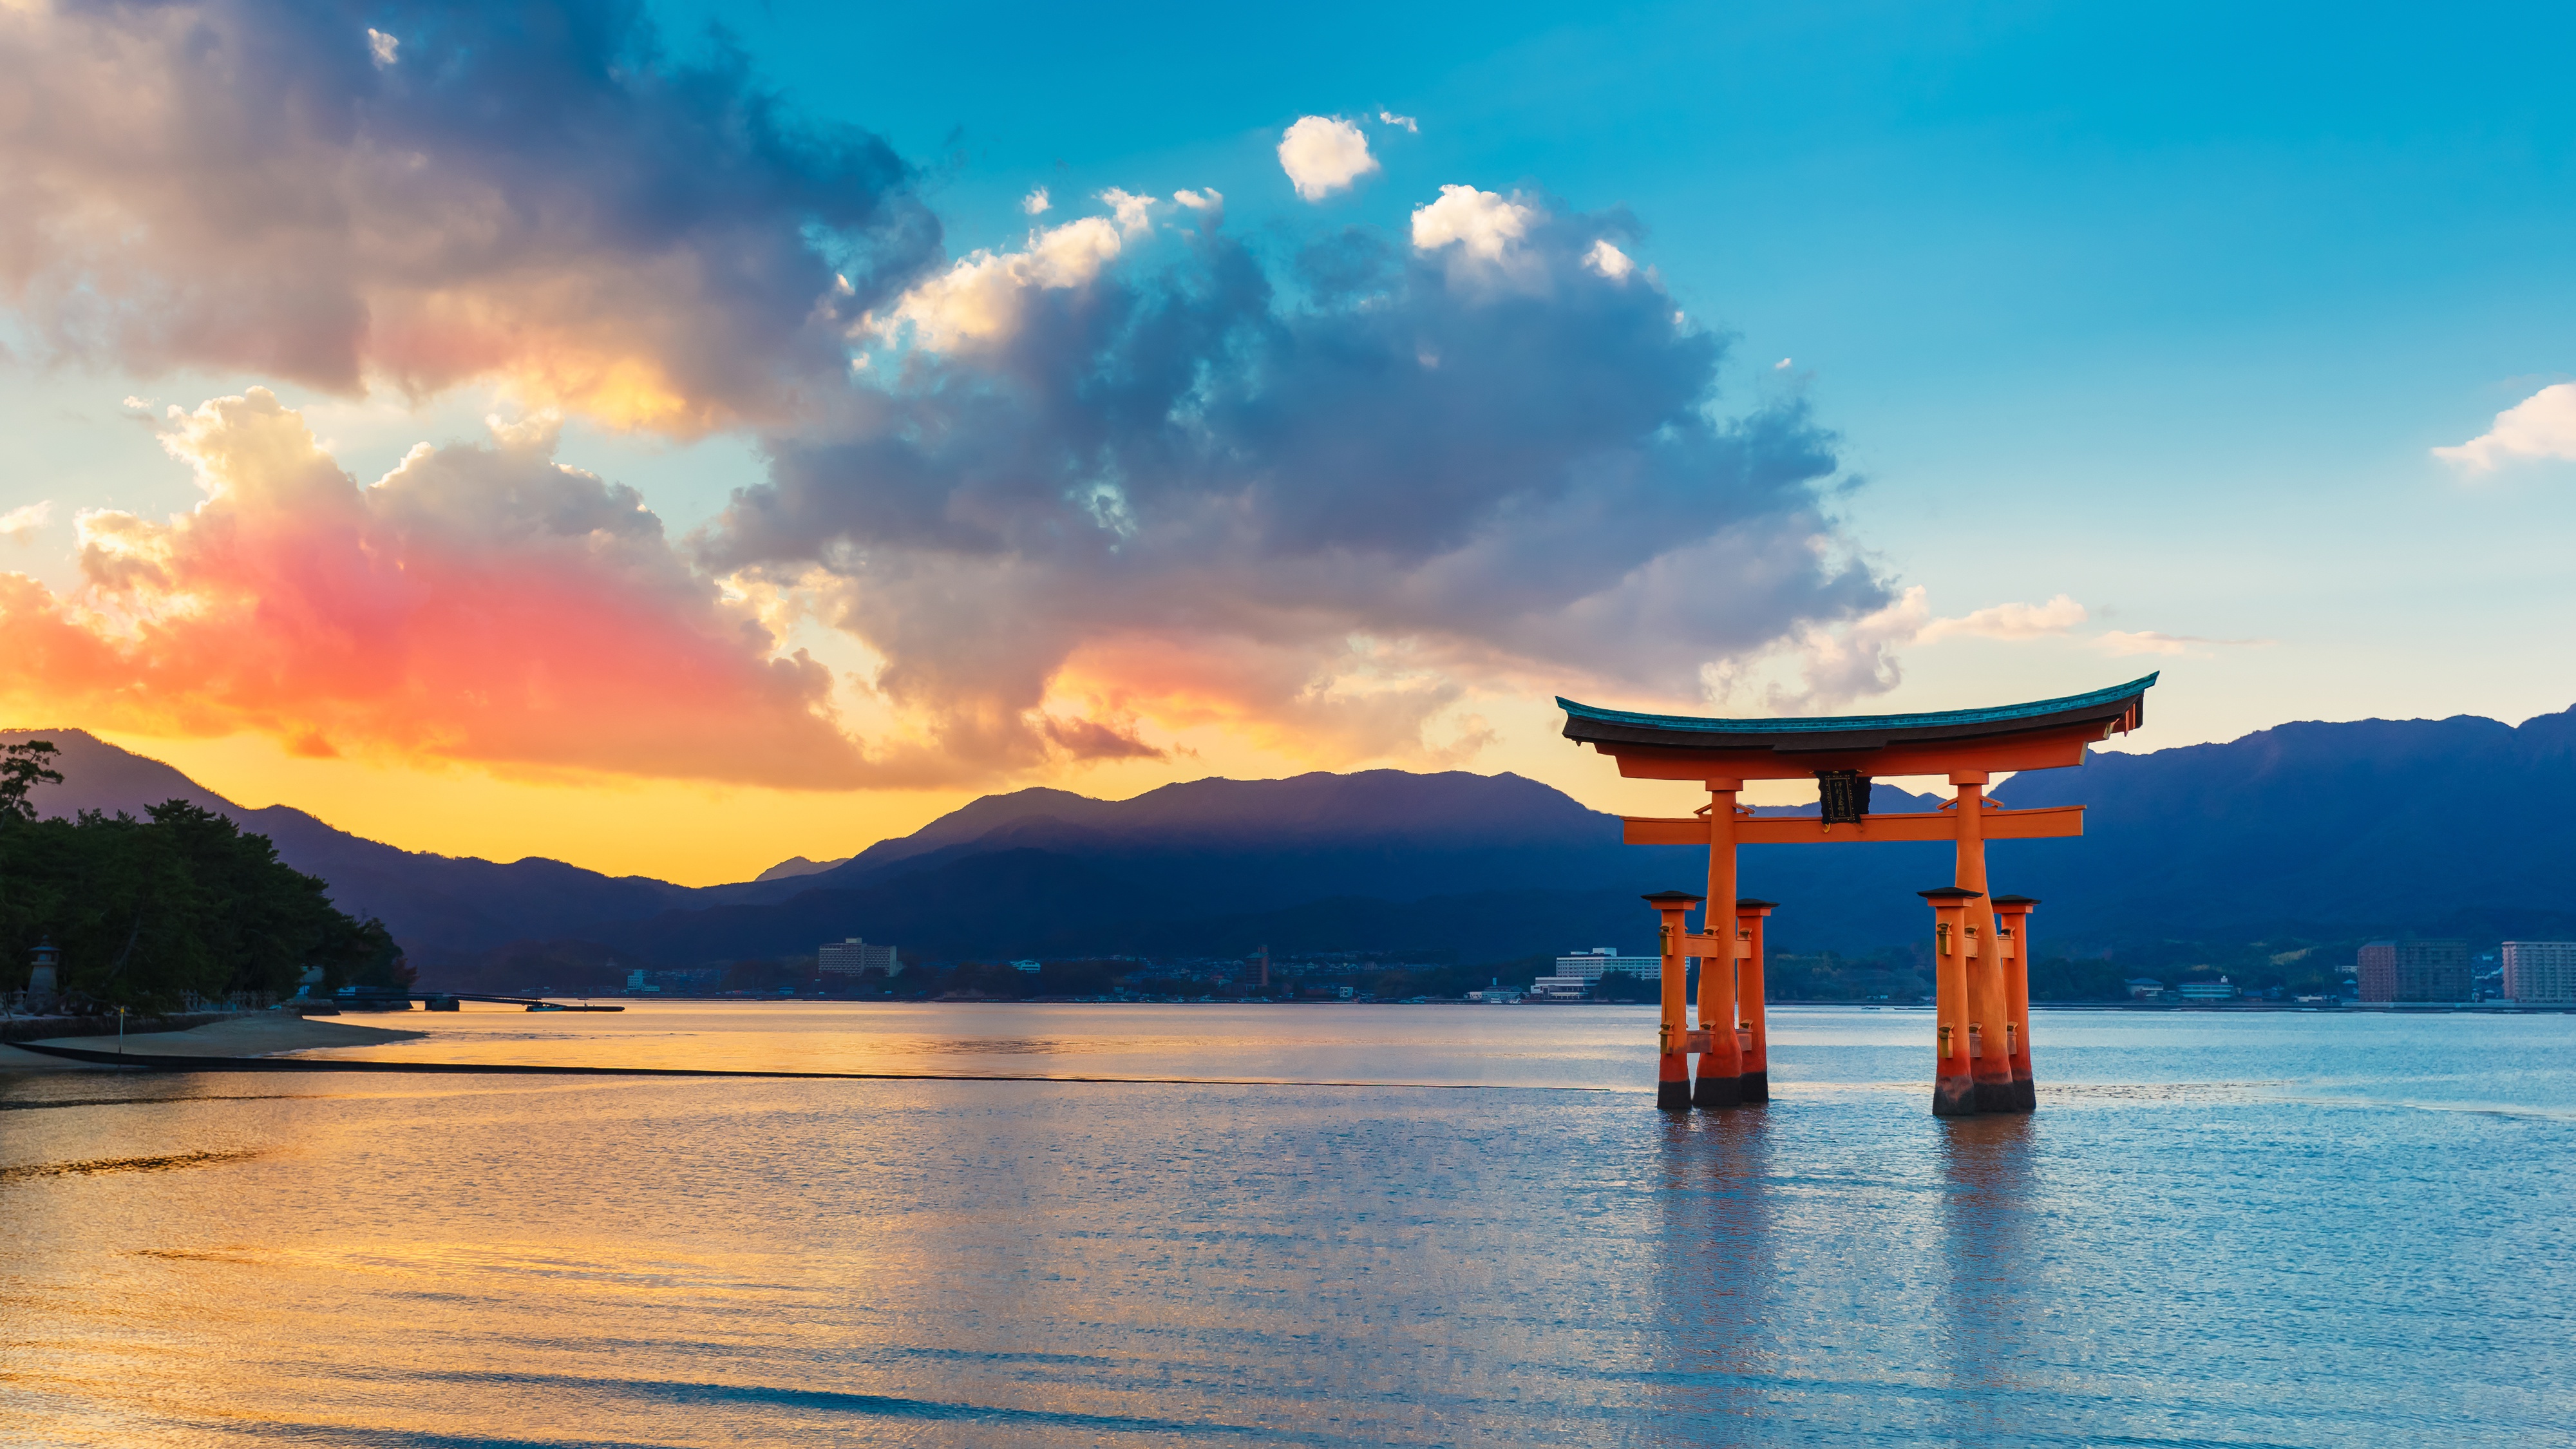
(1980, 942)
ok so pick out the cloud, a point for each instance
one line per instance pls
(2542, 425)
(2009, 621)
(1035, 203)
(479, 603)
(1118, 482)
(1392, 119)
(2149, 641)
(1857, 660)
(982, 298)
(1084, 739)
(1838, 663)
(1609, 261)
(1324, 154)
(19, 525)
(1480, 223)
(1318, 502)
(549, 200)
(1134, 213)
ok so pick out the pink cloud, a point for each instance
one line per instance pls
(479, 603)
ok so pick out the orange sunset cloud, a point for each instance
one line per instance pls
(478, 603)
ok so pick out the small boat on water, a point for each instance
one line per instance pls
(547, 1006)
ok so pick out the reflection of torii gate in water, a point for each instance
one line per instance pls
(1980, 942)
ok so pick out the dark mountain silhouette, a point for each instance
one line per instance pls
(794, 866)
(440, 907)
(2315, 831)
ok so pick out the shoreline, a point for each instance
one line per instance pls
(262, 1034)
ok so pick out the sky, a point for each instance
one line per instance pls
(675, 439)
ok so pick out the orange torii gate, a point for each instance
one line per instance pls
(1980, 942)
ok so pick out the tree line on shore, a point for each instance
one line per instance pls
(142, 912)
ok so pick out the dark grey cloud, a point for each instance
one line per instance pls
(340, 193)
(1496, 457)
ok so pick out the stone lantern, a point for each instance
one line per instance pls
(43, 983)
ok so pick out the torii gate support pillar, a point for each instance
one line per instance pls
(1748, 994)
(2012, 927)
(1954, 1081)
(1672, 1053)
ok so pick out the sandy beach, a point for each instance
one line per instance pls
(243, 1036)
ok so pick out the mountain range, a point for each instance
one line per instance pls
(2310, 830)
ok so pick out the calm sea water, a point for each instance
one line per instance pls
(2276, 1229)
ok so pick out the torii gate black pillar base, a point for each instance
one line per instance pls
(1713, 1090)
(1954, 1095)
(1673, 1083)
(1756, 1086)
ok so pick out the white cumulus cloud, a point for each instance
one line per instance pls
(1324, 154)
(2542, 425)
(1482, 222)
(1035, 202)
(1135, 213)
(981, 297)
(19, 525)
(1209, 204)
(1392, 119)
(1609, 261)
(383, 47)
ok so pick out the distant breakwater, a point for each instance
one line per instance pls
(146, 1061)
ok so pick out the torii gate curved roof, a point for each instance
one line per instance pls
(2043, 734)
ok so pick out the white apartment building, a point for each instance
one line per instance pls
(1592, 965)
(2540, 973)
(853, 956)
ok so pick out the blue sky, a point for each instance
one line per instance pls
(2160, 311)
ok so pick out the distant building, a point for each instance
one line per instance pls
(2540, 973)
(1559, 988)
(1496, 995)
(1031, 967)
(1600, 961)
(2218, 990)
(853, 956)
(636, 980)
(2144, 988)
(2432, 970)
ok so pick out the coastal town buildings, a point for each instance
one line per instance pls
(2540, 973)
(2417, 970)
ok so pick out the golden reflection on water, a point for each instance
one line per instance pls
(417, 1261)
